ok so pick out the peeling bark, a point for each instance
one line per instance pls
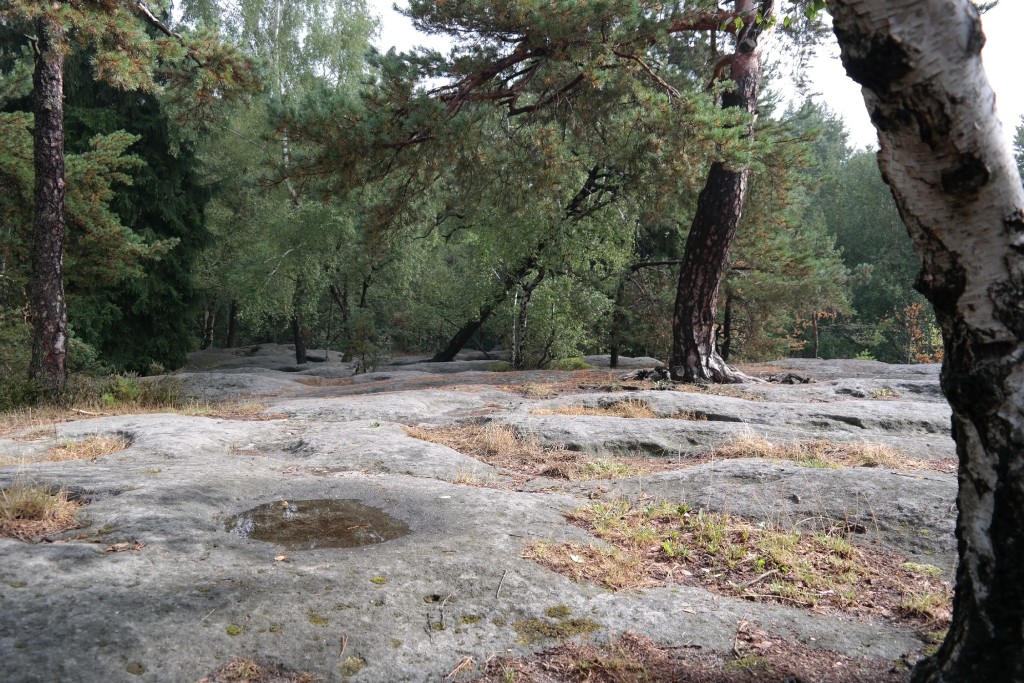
(957, 188)
(47, 305)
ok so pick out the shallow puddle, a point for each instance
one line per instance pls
(324, 523)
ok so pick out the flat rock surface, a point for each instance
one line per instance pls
(190, 593)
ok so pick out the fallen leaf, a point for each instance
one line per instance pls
(576, 558)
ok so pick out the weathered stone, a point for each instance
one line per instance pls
(194, 594)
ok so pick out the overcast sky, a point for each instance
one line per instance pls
(1001, 25)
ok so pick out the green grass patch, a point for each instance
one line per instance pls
(666, 543)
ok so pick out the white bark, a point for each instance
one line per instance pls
(935, 37)
(956, 184)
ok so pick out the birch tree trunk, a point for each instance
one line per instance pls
(47, 305)
(957, 188)
(519, 329)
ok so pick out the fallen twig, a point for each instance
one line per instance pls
(465, 664)
(747, 584)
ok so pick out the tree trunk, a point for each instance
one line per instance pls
(297, 332)
(719, 208)
(957, 188)
(364, 291)
(471, 327)
(340, 297)
(618, 320)
(465, 333)
(47, 305)
(814, 326)
(232, 339)
(209, 319)
(519, 324)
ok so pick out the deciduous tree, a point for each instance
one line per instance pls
(956, 184)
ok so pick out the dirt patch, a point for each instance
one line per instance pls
(825, 571)
(757, 657)
(41, 433)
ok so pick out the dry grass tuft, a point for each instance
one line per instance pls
(630, 408)
(246, 411)
(824, 454)
(42, 419)
(662, 544)
(727, 390)
(248, 670)
(325, 381)
(29, 511)
(500, 446)
(41, 433)
(757, 657)
(885, 394)
(538, 389)
(87, 449)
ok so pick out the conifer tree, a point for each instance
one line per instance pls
(124, 55)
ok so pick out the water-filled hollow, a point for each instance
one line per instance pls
(322, 523)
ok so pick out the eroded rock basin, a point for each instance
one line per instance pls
(312, 524)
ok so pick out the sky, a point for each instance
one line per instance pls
(828, 80)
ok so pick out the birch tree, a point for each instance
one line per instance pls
(956, 184)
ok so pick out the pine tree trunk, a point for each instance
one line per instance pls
(956, 185)
(47, 305)
(518, 356)
(705, 256)
(340, 297)
(232, 339)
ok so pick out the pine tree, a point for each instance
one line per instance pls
(124, 56)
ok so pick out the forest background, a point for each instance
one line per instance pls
(287, 216)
